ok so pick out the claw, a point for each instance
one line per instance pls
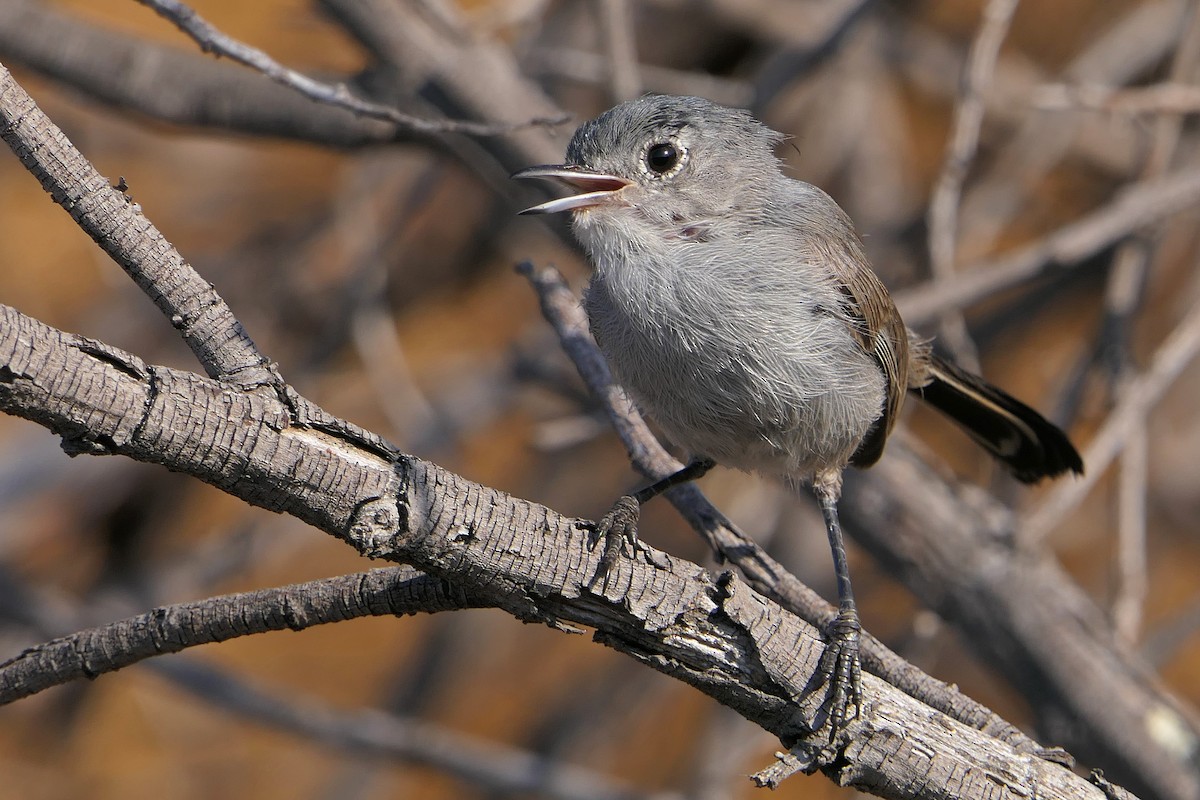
(616, 528)
(841, 670)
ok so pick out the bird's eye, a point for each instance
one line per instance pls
(662, 157)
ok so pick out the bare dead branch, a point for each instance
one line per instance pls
(212, 40)
(1175, 353)
(960, 152)
(719, 636)
(562, 311)
(952, 547)
(1162, 98)
(1133, 208)
(88, 654)
(117, 224)
(1022, 614)
(373, 734)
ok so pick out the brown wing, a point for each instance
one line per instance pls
(881, 332)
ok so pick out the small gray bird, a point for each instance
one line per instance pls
(737, 306)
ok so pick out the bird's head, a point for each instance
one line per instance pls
(680, 167)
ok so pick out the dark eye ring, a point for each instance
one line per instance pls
(662, 157)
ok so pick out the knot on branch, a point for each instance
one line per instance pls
(374, 527)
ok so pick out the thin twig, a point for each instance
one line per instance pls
(1133, 208)
(964, 143)
(1161, 98)
(1172, 356)
(378, 592)
(212, 40)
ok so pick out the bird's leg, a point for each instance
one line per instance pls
(619, 525)
(839, 665)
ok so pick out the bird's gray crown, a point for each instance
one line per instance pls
(616, 140)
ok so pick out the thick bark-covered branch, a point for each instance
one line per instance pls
(954, 547)
(718, 635)
(364, 734)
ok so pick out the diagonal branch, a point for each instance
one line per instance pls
(117, 224)
(1135, 207)
(562, 311)
(363, 734)
(88, 654)
(212, 40)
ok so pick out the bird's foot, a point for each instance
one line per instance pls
(616, 528)
(841, 671)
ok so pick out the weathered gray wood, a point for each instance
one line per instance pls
(719, 635)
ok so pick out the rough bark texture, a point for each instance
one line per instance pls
(119, 227)
(94, 652)
(719, 636)
(930, 533)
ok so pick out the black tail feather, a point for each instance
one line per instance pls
(1026, 443)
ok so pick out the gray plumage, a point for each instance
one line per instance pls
(738, 307)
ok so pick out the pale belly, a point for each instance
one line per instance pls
(730, 385)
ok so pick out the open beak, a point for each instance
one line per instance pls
(594, 188)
